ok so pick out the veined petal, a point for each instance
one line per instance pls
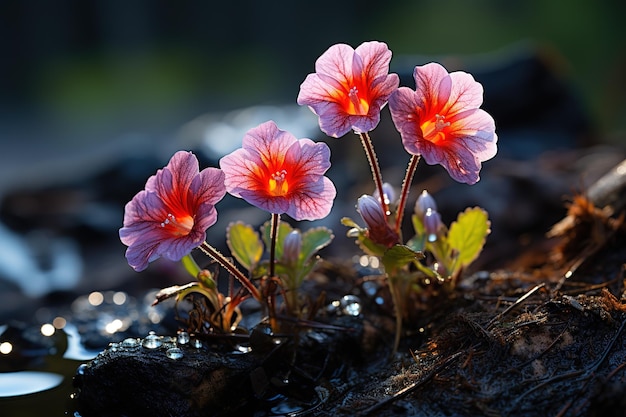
(349, 87)
(170, 217)
(315, 202)
(432, 86)
(441, 121)
(280, 174)
(375, 56)
(465, 93)
(336, 61)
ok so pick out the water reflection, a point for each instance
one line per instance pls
(27, 382)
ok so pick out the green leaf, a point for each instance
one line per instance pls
(244, 244)
(467, 235)
(398, 256)
(418, 226)
(313, 240)
(347, 221)
(191, 266)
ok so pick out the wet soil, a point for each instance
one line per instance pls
(542, 337)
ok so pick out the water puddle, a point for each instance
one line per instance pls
(27, 382)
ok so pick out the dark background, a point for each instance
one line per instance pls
(95, 95)
(76, 73)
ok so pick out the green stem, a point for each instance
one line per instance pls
(406, 187)
(366, 141)
(230, 267)
(395, 298)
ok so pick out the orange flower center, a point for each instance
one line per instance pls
(433, 129)
(356, 105)
(278, 184)
(178, 226)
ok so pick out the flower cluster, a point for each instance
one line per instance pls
(440, 121)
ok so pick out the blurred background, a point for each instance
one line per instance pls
(96, 95)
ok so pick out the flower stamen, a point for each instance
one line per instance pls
(178, 226)
(356, 105)
(433, 129)
(278, 185)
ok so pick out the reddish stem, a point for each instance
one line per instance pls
(404, 193)
(376, 174)
(230, 267)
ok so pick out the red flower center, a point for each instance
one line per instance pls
(356, 104)
(278, 184)
(178, 226)
(433, 129)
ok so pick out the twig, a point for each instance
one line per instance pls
(440, 366)
(515, 304)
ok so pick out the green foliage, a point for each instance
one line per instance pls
(467, 235)
(366, 244)
(284, 229)
(457, 248)
(398, 256)
(313, 240)
(244, 244)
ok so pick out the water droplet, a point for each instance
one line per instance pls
(152, 341)
(196, 343)
(333, 307)
(183, 338)
(81, 369)
(351, 305)
(174, 353)
(129, 342)
(243, 349)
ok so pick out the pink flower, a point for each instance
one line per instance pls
(170, 216)
(442, 121)
(349, 87)
(278, 173)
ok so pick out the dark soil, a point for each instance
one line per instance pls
(543, 337)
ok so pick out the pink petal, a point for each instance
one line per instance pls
(337, 60)
(432, 86)
(466, 93)
(375, 57)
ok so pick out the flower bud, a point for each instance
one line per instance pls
(432, 224)
(372, 213)
(291, 247)
(424, 202)
(389, 193)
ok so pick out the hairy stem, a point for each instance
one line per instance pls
(230, 267)
(404, 193)
(273, 237)
(366, 141)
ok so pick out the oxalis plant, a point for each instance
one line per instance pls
(440, 122)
